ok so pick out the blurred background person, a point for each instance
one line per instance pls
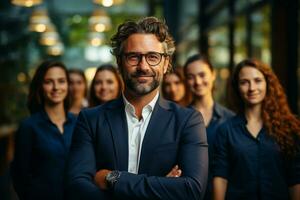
(43, 139)
(78, 90)
(200, 78)
(106, 85)
(174, 88)
(257, 153)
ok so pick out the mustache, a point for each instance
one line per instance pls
(139, 73)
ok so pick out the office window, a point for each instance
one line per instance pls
(219, 56)
(261, 34)
(219, 46)
(240, 39)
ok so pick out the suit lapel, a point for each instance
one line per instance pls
(156, 128)
(117, 121)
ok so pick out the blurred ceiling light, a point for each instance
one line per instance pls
(26, 3)
(96, 39)
(90, 73)
(50, 36)
(99, 21)
(40, 28)
(100, 27)
(56, 50)
(108, 3)
(39, 20)
(21, 77)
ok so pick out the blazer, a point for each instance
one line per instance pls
(40, 157)
(175, 135)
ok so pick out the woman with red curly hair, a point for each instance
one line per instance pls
(256, 153)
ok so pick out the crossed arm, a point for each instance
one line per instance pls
(84, 182)
(101, 174)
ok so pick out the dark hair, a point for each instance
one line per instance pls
(277, 117)
(93, 100)
(36, 99)
(80, 73)
(147, 25)
(197, 57)
(178, 71)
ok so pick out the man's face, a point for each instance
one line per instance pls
(142, 73)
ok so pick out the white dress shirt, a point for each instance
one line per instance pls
(136, 131)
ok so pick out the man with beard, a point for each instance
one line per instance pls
(139, 146)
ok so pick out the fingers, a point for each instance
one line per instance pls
(175, 172)
(179, 172)
(100, 178)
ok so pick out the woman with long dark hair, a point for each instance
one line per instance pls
(43, 139)
(256, 153)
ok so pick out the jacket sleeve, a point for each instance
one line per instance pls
(81, 166)
(21, 167)
(192, 160)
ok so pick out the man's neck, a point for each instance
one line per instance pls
(139, 101)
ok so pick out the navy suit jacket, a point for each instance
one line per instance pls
(175, 135)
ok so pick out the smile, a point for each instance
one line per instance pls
(143, 78)
(149, 75)
(253, 96)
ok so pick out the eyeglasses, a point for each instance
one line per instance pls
(152, 58)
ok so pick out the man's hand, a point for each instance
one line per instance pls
(100, 178)
(175, 172)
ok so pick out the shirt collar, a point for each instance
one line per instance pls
(217, 110)
(130, 108)
(69, 116)
(240, 119)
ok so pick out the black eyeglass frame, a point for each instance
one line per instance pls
(141, 55)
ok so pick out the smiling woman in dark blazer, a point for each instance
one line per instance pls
(43, 139)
